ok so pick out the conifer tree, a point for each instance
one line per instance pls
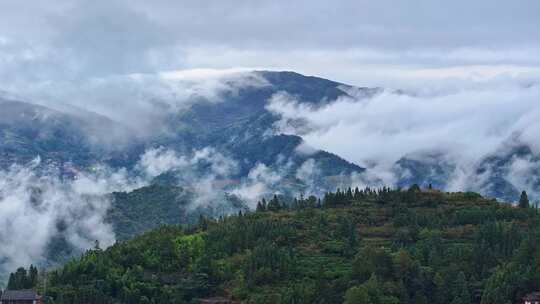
(11, 282)
(524, 200)
(33, 276)
(274, 204)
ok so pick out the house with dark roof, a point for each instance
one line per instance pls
(532, 298)
(26, 296)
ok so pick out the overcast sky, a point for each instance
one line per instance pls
(359, 42)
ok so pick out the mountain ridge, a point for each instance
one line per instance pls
(239, 123)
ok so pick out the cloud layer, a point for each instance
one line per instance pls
(141, 103)
(460, 126)
(353, 41)
(467, 123)
(37, 206)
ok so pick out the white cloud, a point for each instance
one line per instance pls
(158, 161)
(140, 102)
(468, 123)
(259, 183)
(464, 123)
(523, 173)
(161, 160)
(36, 203)
(204, 172)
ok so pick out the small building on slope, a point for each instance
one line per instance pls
(532, 298)
(26, 296)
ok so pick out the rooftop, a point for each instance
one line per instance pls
(532, 296)
(27, 294)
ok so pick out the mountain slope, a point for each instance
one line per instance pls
(29, 130)
(236, 121)
(133, 213)
(387, 246)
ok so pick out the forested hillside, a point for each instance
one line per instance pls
(354, 246)
(147, 208)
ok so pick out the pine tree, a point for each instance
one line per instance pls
(524, 200)
(20, 279)
(33, 276)
(11, 282)
(274, 204)
(96, 245)
(415, 188)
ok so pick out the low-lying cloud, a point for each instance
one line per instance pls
(205, 172)
(139, 102)
(260, 181)
(464, 124)
(38, 204)
(389, 125)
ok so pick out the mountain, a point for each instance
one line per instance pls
(28, 130)
(223, 150)
(359, 246)
(501, 174)
(514, 164)
(237, 125)
(237, 122)
(240, 121)
(424, 169)
(72, 136)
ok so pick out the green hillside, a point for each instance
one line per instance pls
(133, 213)
(356, 246)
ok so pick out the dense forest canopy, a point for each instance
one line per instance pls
(375, 246)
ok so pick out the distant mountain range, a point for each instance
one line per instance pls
(239, 126)
(242, 128)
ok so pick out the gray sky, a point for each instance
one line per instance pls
(357, 41)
